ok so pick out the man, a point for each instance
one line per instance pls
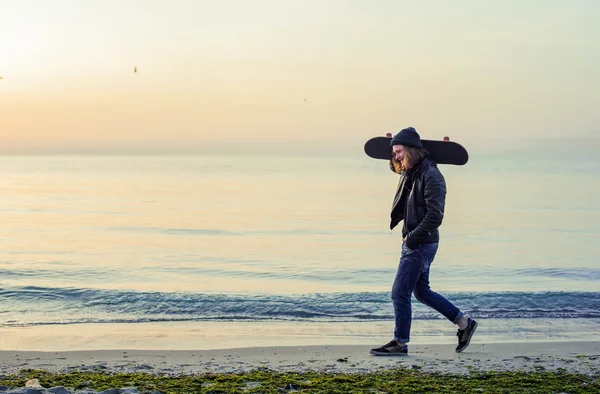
(419, 202)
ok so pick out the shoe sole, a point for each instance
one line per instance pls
(376, 353)
(468, 339)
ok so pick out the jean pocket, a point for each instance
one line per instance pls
(406, 250)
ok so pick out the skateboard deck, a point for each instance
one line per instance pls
(442, 152)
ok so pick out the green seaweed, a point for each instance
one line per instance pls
(392, 381)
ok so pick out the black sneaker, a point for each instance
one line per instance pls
(391, 349)
(464, 336)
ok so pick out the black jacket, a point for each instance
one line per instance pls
(420, 201)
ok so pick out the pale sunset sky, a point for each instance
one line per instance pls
(294, 74)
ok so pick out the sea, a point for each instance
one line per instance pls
(293, 238)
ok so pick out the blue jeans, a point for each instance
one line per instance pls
(413, 278)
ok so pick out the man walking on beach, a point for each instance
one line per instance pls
(419, 202)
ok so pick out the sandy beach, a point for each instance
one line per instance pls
(582, 357)
(228, 347)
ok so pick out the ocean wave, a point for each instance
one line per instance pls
(30, 305)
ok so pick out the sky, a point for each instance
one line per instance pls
(237, 74)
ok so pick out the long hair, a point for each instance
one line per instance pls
(412, 157)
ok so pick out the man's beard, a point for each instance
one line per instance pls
(397, 165)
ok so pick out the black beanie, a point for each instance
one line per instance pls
(407, 137)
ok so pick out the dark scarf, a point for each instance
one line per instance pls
(404, 187)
